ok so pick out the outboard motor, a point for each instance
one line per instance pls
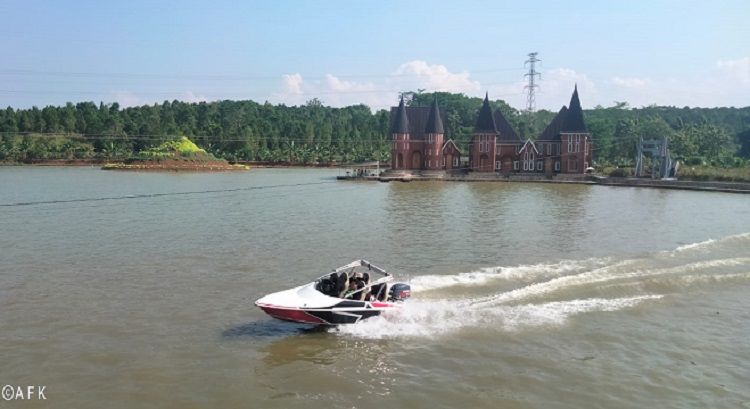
(399, 292)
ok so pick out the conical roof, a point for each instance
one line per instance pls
(507, 133)
(434, 123)
(401, 124)
(552, 131)
(485, 120)
(574, 118)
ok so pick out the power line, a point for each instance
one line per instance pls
(151, 195)
(235, 95)
(79, 74)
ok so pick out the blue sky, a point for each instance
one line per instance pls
(693, 53)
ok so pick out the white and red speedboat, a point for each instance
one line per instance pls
(350, 293)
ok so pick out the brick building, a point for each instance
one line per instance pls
(418, 142)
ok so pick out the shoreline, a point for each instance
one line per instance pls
(704, 186)
(682, 184)
(102, 162)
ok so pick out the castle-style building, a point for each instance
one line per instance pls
(417, 136)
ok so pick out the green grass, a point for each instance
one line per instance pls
(708, 173)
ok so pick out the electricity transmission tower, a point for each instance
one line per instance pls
(533, 75)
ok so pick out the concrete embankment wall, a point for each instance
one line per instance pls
(731, 187)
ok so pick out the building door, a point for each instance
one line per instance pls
(507, 164)
(416, 160)
(399, 161)
(448, 161)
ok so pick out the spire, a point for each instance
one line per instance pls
(574, 117)
(401, 122)
(505, 129)
(552, 131)
(434, 122)
(485, 121)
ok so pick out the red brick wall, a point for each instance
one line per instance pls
(576, 152)
(487, 149)
(398, 146)
(433, 158)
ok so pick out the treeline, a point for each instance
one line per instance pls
(235, 130)
(711, 136)
(314, 133)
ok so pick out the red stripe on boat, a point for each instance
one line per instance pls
(294, 315)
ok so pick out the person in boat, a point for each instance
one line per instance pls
(352, 291)
(356, 288)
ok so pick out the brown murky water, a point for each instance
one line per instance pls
(524, 295)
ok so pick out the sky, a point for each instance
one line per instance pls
(643, 52)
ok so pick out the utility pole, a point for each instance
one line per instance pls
(532, 75)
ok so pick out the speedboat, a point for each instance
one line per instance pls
(347, 295)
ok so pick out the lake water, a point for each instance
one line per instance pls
(524, 295)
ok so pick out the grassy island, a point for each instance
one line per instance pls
(176, 155)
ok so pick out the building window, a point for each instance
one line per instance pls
(497, 165)
(429, 163)
(557, 166)
(539, 165)
(570, 143)
(455, 162)
(549, 149)
(578, 143)
(515, 165)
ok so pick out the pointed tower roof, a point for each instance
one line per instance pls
(434, 123)
(552, 131)
(485, 120)
(574, 118)
(401, 123)
(507, 133)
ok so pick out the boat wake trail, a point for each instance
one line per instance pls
(527, 296)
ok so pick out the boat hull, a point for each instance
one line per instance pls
(345, 312)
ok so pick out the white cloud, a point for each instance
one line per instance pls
(126, 99)
(335, 91)
(190, 96)
(434, 77)
(556, 87)
(293, 83)
(630, 82)
(131, 99)
(739, 69)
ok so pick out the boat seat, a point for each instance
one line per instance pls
(333, 290)
(342, 284)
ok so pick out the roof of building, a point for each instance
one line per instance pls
(507, 133)
(416, 121)
(574, 118)
(450, 142)
(485, 120)
(552, 131)
(401, 122)
(434, 122)
(528, 143)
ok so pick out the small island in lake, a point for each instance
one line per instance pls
(177, 155)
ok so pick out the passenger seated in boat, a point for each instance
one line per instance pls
(356, 289)
(350, 292)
